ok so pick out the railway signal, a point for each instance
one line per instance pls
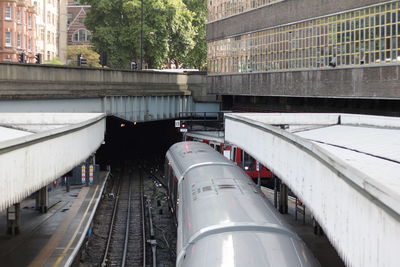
(183, 127)
(38, 58)
(21, 57)
(103, 59)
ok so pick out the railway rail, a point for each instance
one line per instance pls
(126, 241)
(147, 234)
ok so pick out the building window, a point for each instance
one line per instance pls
(29, 21)
(41, 36)
(48, 56)
(30, 44)
(8, 13)
(19, 40)
(82, 35)
(19, 16)
(48, 37)
(48, 17)
(8, 39)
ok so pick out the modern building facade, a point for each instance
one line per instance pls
(51, 29)
(77, 32)
(304, 49)
(17, 24)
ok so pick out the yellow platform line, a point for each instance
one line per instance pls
(48, 249)
(64, 252)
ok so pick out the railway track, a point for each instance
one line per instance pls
(148, 200)
(126, 240)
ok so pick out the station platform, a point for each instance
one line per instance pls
(319, 245)
(54, 238)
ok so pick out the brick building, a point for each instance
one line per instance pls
(77, 34)
(17, 24)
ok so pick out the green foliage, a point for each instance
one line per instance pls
(173, 31)
(55, 61)
(87, 52)
(197, 57)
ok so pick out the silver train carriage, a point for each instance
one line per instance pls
(223, 218)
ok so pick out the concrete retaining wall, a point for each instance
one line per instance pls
(378, 82)
(43, 81)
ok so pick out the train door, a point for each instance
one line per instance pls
(233, 153)
(226, 151)
(237, 156)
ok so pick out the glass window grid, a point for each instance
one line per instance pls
(362, 37)
(220, 9)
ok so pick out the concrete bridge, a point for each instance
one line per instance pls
(52, 138)
(131, 95)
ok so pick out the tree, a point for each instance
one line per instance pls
(86, 51)
(106, 21)
(197, 57)
(168, 31)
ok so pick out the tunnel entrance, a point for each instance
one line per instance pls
(126, 140)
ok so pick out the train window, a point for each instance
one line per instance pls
(233, 154)
(248, 162)
(218, 148)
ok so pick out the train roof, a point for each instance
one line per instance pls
(223, 216)
(185, 156)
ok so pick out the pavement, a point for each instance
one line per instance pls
(319, 245)
(53, 238)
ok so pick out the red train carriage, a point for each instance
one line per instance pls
(253, 168)
(236, 154)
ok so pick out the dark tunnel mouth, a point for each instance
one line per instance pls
(127, 140)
